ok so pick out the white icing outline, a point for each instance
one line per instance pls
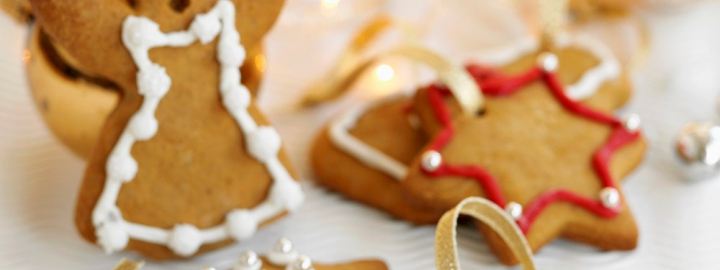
(587, 85)
(372, 157)
(141, 34)
(608, 69)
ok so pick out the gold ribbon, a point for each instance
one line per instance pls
(487, 212)
(639, 58)
(553, 19)
(125, 264)
(351, 66)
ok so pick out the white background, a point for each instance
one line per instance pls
(678, 83)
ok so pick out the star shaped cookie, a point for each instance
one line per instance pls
(365, 152)
(551, 162)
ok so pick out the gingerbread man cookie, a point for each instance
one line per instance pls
(364, 154)
(552, 163)
(186, 163)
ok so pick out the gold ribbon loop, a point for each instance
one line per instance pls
(446, 254)
(460, 83)
(553, 16)
(351, 65)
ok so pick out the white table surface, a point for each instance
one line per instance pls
(678, 220)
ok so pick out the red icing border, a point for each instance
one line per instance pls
(493, 83)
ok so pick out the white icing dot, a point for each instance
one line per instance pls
(287, 193)
(143, 126)
(121, 167)
(153, 81)
(241, 224)
(264, 143)
(112, 237)
(205, 27)
(185, 240)
(230, 53)
(237, 97)
(141, 32)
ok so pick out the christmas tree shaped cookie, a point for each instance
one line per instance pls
(186, 163)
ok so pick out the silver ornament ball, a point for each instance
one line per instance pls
(698, 148)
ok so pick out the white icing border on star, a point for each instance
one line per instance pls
(139, 35)
(586, 86)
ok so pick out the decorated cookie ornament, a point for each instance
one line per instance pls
(186, 163)
(74, 102)
(365, 152)
(283, 256)
(551, 162)
(17, 9)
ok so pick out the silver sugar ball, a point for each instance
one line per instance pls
(548, 61)
(283, 246)
(302, 263)
(632, 122)
(248, 260)
(514, 210)
(610, 197)
(431, 160)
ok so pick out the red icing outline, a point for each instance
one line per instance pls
(493, 83)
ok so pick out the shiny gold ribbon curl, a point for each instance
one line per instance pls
(487, 212)
(351, 65)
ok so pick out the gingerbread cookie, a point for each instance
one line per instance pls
(17, 9)
(186, 163)
(552, 163)
(74, 104)
(583, 10)
(284, 257)
(281, 257)
(364, 153)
